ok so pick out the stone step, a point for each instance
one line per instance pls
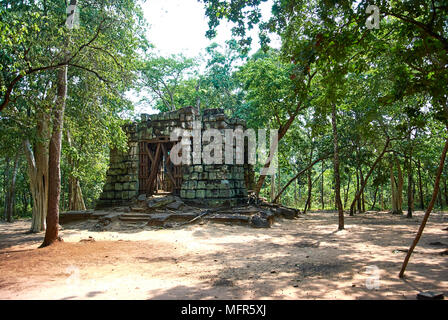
(134, 219)
(232, 218)
(138, 209)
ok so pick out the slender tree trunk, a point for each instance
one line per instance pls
(428, 210)
(400, 185)
(420, 186)
(54, 169)
(310, 185)
(374, 199)
(337, 178)
(272, 195)
(358, 200)
(76, 200)
(322, 187)
(363, 206)
(5, 186)
(446, 192)
(410, 183)
(348, 190)
(295, 193)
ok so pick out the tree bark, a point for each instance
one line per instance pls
(348, 190)
(54, 161)
(76, 200)
(396, 187)
(374, 199)
(337, 178)
(12, 191)
(410, 191)
(310, 186)
(428, 210)
(363, 204)
(420, 186)
(322, 187)
(5, 185)
(38, 172)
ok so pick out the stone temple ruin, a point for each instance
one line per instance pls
(146, 169)
(145, 186)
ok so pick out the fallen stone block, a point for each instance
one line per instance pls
(69, 216)
(176, 205)
(257, 221)
(429, 295)
(287, 213)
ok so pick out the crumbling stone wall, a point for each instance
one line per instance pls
(209, 184)
(122, 176)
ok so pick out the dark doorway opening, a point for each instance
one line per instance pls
(157, 174)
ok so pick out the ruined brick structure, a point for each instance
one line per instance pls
(146, 167)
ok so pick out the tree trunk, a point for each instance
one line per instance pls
(446, 192)
(410, 191)
(54, 161)
(363, 206)
(310, 186)
(272, 195)
(12, 191)
(428, 210)
(374, 199)
(38, 173)
(358, 200)
(322, 187)
(76, 200)
(348, 190)
(396, 187)
(420, 187)
(5, 186)
(337, 178)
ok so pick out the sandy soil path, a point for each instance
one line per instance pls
(301, 259)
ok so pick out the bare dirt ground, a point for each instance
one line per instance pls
(295, 259)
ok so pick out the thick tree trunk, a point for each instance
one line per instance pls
(428, 210)
(337, 178)
(54, 161)
(38, 173)
(396, 188)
